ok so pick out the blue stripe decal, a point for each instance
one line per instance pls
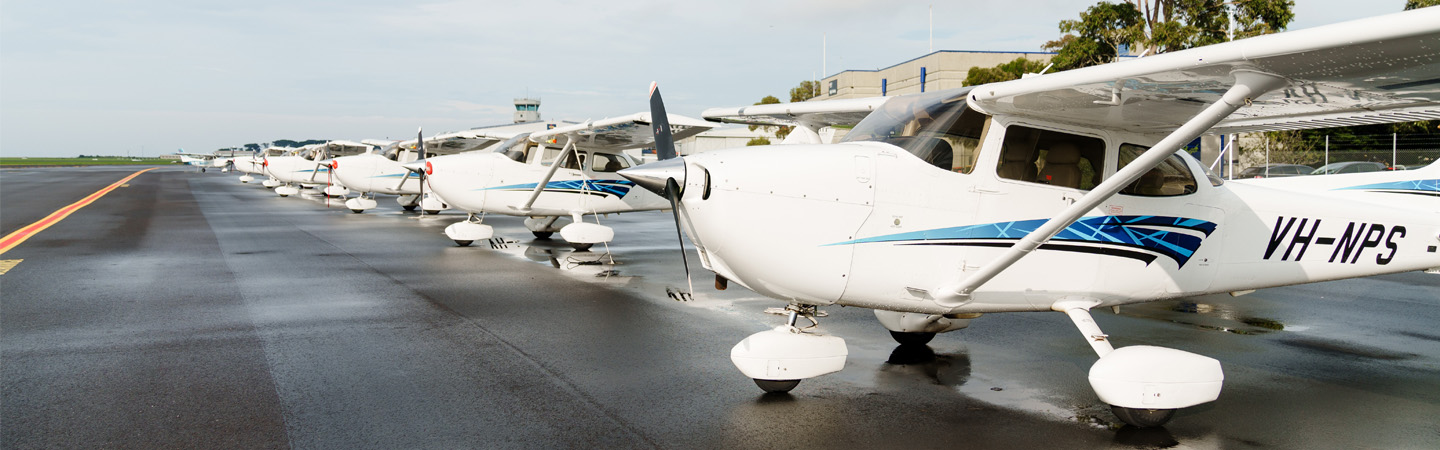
(1420, 186)
(1122, 231)
(618, 188)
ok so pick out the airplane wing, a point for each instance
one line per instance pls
(197, 155)
(344, 148)
(814, 114)
(1378, 70)
(456, 142)
(624, 132)
(461, 141)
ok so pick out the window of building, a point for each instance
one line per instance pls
(1051, 157)
(1172, 177)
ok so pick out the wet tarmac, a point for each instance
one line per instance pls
(189, 310)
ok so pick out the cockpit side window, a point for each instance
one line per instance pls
(938, 128)
(1051, 157)
(608, 163)
(1172, 177)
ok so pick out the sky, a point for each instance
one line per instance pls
(150, 77)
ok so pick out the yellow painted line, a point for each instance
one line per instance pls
(7, 264)
(22, 234)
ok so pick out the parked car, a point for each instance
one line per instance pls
(1276, 170)
(1350, 167)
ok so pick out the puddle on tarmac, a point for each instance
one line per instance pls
(1212, 316)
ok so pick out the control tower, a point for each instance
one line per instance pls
(527, 110)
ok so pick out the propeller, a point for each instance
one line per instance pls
(667, 176)
(420, 156)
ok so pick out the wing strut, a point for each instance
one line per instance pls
(540, 187)
(1248, 85)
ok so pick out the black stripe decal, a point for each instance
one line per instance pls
(1147, 258)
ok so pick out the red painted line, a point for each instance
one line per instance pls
(14, 239)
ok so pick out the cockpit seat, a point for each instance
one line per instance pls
(1062, 166)
(1016, 164)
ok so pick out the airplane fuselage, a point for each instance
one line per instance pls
(493, 183)
(298, 170)
(868, 224)
(371, 172)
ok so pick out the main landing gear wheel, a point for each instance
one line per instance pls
(429, 212)
(409, 207)
(581, 247)
(543, 235)
(463, 243)
(357, 211)
(912, 338)
(776, 386)
(1143, 418)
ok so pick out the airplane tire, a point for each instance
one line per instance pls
(431, 212)
(357, 211)
(1143, 418)
(463, 243)
(912, 338)
(542, 235)
(776, 386)
(409, 207)
(284, 195)
(581, 247)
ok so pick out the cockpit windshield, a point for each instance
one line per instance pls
(938, 128)
(514, 148)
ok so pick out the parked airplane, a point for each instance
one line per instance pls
(927, 211)
(200, 160)
(580, 178)
(382, 171)
(305, 167)
(1415, 189)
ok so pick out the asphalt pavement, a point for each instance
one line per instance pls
(187, 310)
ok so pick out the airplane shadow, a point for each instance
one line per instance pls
(1155, 437)
(952, 369)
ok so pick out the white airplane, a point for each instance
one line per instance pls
(201, 160)
(382, 171)
(1416, 189)
(255, 165)
(927, 211)
(568, 171)
(306, 167)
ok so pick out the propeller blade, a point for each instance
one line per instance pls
(420, 156)
(672, 192)
(664, 141)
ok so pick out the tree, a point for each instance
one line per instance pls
(1012, 70)
(1417, 4)
(780, 131)
(1283, 147)
(1158, 26)
(805, 91)
(758, 141)
(1097, 36)
(1260, 17)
